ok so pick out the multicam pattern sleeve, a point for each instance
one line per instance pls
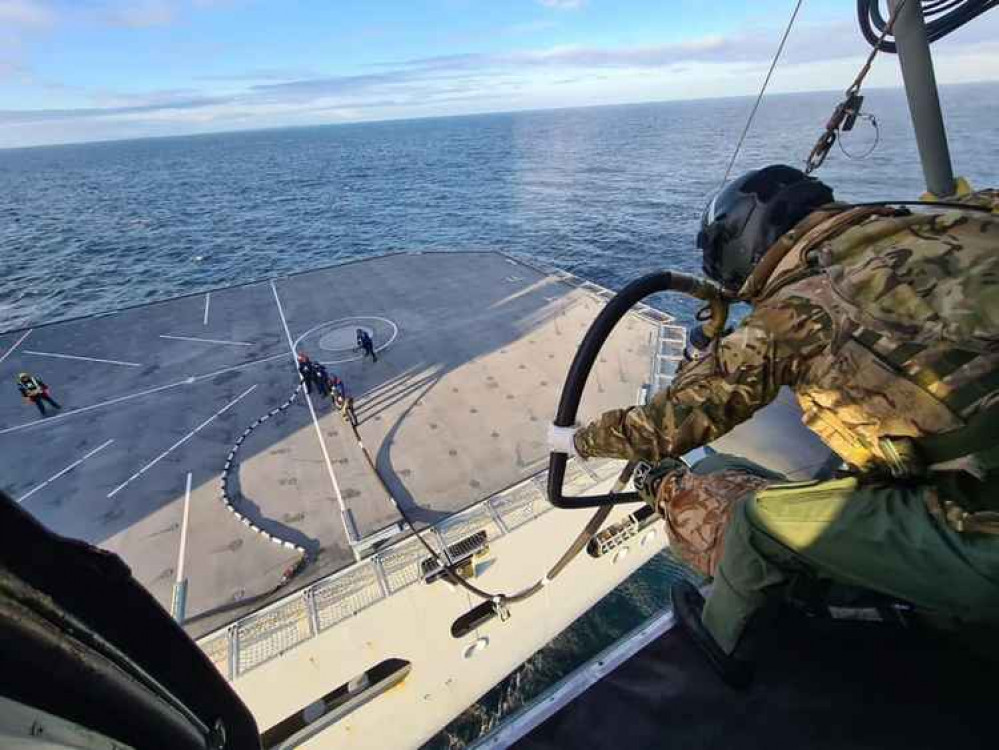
(772, 347)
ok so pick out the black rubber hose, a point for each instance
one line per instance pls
(942, 17)
(582, 364)
(578, 544)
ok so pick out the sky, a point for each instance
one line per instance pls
(82, 70)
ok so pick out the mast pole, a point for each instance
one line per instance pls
(924, 101)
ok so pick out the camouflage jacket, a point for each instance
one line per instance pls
(858, 377)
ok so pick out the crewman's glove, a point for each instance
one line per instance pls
(697, 508)
(562, 440)
(648, 478)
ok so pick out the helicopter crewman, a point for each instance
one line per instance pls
(885, 324)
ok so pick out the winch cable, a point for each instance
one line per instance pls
(942, 17)
(849, 109)
(578, 544)
(763, 90)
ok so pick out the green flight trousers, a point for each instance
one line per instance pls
(875, 536)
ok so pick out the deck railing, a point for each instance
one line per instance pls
(276, 629)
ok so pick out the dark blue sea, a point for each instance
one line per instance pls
(607, 193)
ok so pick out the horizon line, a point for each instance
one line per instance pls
(419, 118)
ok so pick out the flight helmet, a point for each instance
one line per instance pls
(749, 214)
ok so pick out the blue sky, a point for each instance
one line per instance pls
(76, 70)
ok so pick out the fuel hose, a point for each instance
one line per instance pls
(586, 356)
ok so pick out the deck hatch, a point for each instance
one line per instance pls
(460, 552)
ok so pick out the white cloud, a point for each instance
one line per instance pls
(141, 15)
(529, 27)
(10, 68)
(25, 14)
(563, 4)
(526, 78)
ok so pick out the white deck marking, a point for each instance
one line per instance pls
(82, 359)
(68, 469)
(15, 345)
(183, 530)
(315, 422)
(208, 301)
(139, 394)
(180, 442)
(391, 339)
(205, 341)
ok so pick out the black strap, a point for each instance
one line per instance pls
(968, 394)
(979, 435)
(902, 356)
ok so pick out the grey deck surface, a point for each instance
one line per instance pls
(475, 349)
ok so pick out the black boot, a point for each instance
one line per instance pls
(687, 606)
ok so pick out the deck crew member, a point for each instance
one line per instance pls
(33, 389)
(885, 324)
(338, 389)
(307, 370)
(322, 379)
(365, 343)
(343, 401)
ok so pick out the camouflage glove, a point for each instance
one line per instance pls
(697, 509)
(648, 478)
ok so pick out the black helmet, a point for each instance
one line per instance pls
(749, 214)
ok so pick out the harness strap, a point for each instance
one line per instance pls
(978, 438)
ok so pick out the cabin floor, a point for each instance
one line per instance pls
(819, 684)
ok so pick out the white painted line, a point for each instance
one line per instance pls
(139, 394)
(208, 301)
(315, 422)
(83, 359)
(180, 442)
(391, 339)
(183, 530)
(15, 345)
(205, 341)
(68, 469)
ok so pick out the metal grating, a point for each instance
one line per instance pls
(270, 633)
(338, 598)
(217, 649)
(653, 315)
(401, 563)
(675, 335)
(458, 553)
(477, 518)
(614, 536)
(520, 504)
(671, 341)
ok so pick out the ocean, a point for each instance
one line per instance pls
(607, 193)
